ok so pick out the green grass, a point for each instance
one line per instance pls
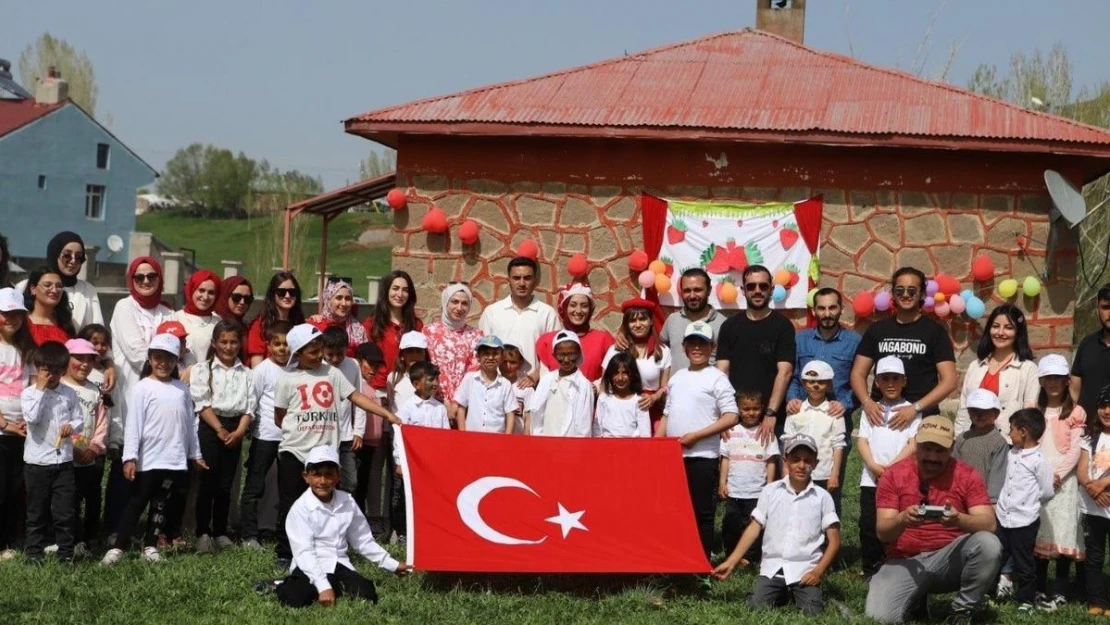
(217, 589)
(257, 242)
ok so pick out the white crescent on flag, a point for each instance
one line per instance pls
(470, 497)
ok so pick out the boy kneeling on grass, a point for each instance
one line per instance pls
(321, 525)
(798, 521)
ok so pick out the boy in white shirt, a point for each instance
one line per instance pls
(486, 400)
(700, 406)
(563, 402)
(352, 423)
(423, 410)
(1028, 485)
(514, 369)
(829, 431)
(879, 447)
(801, 534)
(747, 465)
(53, 414)
(322, 525)
(265, 434)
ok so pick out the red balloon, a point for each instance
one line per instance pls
(435, 222)
(947, 284)
(468, 232)
(638, 261)
(528, 249)
(864, 304)
(396, 199)
(982, 268)
(578, 267)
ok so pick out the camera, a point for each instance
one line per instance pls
(932, 513)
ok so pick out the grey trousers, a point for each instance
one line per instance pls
(770, 592)
(968, 565)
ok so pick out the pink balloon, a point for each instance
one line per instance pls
(929, 304)
(882, 301)
(942, 309)
(647, 279)
(957, 305)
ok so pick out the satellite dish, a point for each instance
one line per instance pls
(1068, 201)
(115, 243)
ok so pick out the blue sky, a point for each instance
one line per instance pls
(275, 78)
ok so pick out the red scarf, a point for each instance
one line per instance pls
(223, 309)
(194, 282)
(146, 301)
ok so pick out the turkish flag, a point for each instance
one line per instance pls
(481, 502)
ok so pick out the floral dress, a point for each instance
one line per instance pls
(453, 352)
(1061, 531)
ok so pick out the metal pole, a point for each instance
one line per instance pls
(285, 241)
(323, 265)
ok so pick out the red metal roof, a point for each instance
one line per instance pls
(334, 202)
(15, 114)
(747, 85)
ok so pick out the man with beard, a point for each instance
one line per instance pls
(521, 318)
(1090, 371)
(756, 350)
(693, 286)
(935, 516)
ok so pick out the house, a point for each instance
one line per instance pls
(913, 172)
(62, 170)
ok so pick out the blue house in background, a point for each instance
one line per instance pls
(61, 170)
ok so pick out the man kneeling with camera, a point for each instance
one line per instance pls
(936, 519)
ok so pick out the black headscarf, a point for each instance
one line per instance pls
(54, 250)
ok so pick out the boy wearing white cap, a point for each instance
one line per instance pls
(322, 525)
(814, 420)
(880, 446)
(563, 404)
(983, 446)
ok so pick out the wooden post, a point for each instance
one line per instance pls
(285, 239)
(323, 264)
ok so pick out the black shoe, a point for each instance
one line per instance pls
(267, 586)
(36, 560)
(962, 616)
(284, 563)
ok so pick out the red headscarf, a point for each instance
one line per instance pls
(569, 291)
(227, 287)
(146, 301)
(191, 286)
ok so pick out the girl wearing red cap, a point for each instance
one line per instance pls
(198, 316)
(576, 309)
(640, 332)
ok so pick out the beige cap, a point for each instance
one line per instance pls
(938, 430)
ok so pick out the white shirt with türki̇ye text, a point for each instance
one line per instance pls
(311, 402)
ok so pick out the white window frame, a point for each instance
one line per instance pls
(89, 194)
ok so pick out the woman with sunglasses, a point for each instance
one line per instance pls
(394, 315)
(198, 316)
(282, 303)
(452, 341)
(234, 299)
(49, 317)
(134, 321)
(65, 254)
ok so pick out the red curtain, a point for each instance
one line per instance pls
(653, 213)
(808, 215)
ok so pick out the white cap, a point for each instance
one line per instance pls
(699, 329)
(890, 364)
(983, 400)
(413, 340)
(322, 454)
(1052, 364)
(11, 299)
(301, 335)
(817, 370)
(565, 336)
(166, 343)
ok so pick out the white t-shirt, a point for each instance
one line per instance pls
(349, 368)
(199, 339)
(1097, 468)
(161, 427)
(747, 461)
(13, 378)
(886, 443)
(264, 379)
(696, 399)
(620, 418)
(651, 371)
(311, 401)
(401, 392)
(486, 403)
(88, 395)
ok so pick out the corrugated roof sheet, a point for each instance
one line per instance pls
(740, 81)
(15, 114)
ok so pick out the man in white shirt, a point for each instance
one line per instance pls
(322, 524)
(521, 318)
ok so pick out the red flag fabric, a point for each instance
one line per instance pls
(482, 502)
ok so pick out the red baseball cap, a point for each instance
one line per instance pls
(172, 327)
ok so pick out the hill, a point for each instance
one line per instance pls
(257, 242)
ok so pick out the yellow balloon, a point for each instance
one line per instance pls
(1008, 287)
(1031, 287)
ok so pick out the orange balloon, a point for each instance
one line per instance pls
(662, 283)
(657, 267)
(940, 297)
(782, 277)
(728, 293)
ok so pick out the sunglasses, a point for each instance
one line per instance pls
(912, 291)
(239, 298)
(145, 277)
(70, 257)
(293, 292)
(758, 286)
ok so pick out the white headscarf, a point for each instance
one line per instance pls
(448, 293)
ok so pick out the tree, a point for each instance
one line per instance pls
(209, 181)
(378, 164)
(75, 68)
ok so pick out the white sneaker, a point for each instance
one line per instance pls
(204, 544)
(80, 551)
(151, 554)
(50, 549)
(1005, 588)
(223, 542)
(113, 556)
(8, 554)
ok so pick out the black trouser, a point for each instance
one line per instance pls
(291, 485)
(1063, 567)
(871, 549)
(378, 485)
(116, 497)
(772, 592)
(1095, 531)
(398, 509)
(835, 494)
(701, 479)
(297, 591)
(363, 458)
(738, 514)
(164, 491)
(348, 468)
(11, 489)
(260, 458)
(1018, 543)
(214, 491)
(88, 480)
(50, 494)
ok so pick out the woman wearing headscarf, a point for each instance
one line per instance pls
(65, 254)
(339, 311)
(234, 299)
(452, 341)
(394, 315)
(198, 316)
(576, 309)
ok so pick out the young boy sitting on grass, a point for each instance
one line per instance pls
(798, 521)
(322, 524)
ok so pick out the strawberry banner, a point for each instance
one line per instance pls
(724, 238)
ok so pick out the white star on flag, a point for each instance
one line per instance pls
(568, 520)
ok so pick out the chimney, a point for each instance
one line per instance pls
(785, 18)
(51, 88)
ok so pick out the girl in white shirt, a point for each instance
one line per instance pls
(221, 390)
(15, 347)
(160, 441)
(619, 413)
(399, 389)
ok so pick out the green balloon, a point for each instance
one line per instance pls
(810, 296)
(1031, 287)
(1008, 288)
